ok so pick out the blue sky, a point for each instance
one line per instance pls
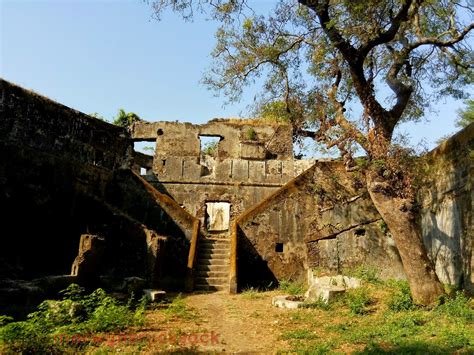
(101, 55)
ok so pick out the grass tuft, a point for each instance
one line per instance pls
(293, 288)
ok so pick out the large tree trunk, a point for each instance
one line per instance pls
(396, 212)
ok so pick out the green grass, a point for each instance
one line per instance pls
(358, 300)
(401, 299)
(457, 307)
(251, 294)
(293, 288)
(381, 319)
(299, 334)
(367, 273)
(179, 309)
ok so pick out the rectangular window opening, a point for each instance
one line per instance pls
(279, 247)
(209, 145)
(145, 147)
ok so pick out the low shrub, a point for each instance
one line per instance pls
(76, 314)
(458, 306)
(178, 308)
(401, 300)
(358, 301)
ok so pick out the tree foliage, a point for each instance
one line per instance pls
(124, 119)
(384, 55)
(466, 115)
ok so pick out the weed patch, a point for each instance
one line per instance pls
(293, 288)
(75, 314)
(401, 300)
(251, 294)
(358, 301)
(179, 309)
(458, 307)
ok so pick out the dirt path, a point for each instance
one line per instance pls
(220, 322)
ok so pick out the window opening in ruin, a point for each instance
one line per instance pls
(142, 171)
(145, 147)
(279, 247)
(209, 145)
(217, 216)
(208, 156)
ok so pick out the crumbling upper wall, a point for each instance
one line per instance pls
(446, 200)
(64, 174)
(249, 151)
(240, 139)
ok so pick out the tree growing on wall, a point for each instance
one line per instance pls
(124, 119)
(321, 57)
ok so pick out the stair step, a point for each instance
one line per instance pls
(219, 260)
(210, 246)
(212, 264)
(206, 262)
(211, 253)
(208, 273)
(212, 267)
(214, 243)
(212, 280)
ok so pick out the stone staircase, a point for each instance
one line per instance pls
(212, 264)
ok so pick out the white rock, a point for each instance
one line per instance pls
(154, 295)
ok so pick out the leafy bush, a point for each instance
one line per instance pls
(459, 307)
(292, 287)
(251, 134)
(401, 300)
(76, 313)
(358, 300)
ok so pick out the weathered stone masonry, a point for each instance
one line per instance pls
(243, 172)
(64, 174)
(67, 177)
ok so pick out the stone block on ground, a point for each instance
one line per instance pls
(325, 294)
(154, 295)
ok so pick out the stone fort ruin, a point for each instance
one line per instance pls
(79, 204)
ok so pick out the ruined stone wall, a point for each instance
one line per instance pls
(323, 220)
(60, 177)
(253, 159)
(447, 209)
(50, 154)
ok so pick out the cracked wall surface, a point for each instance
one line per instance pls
(446, 201)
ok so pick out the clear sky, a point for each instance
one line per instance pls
(101, 55)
